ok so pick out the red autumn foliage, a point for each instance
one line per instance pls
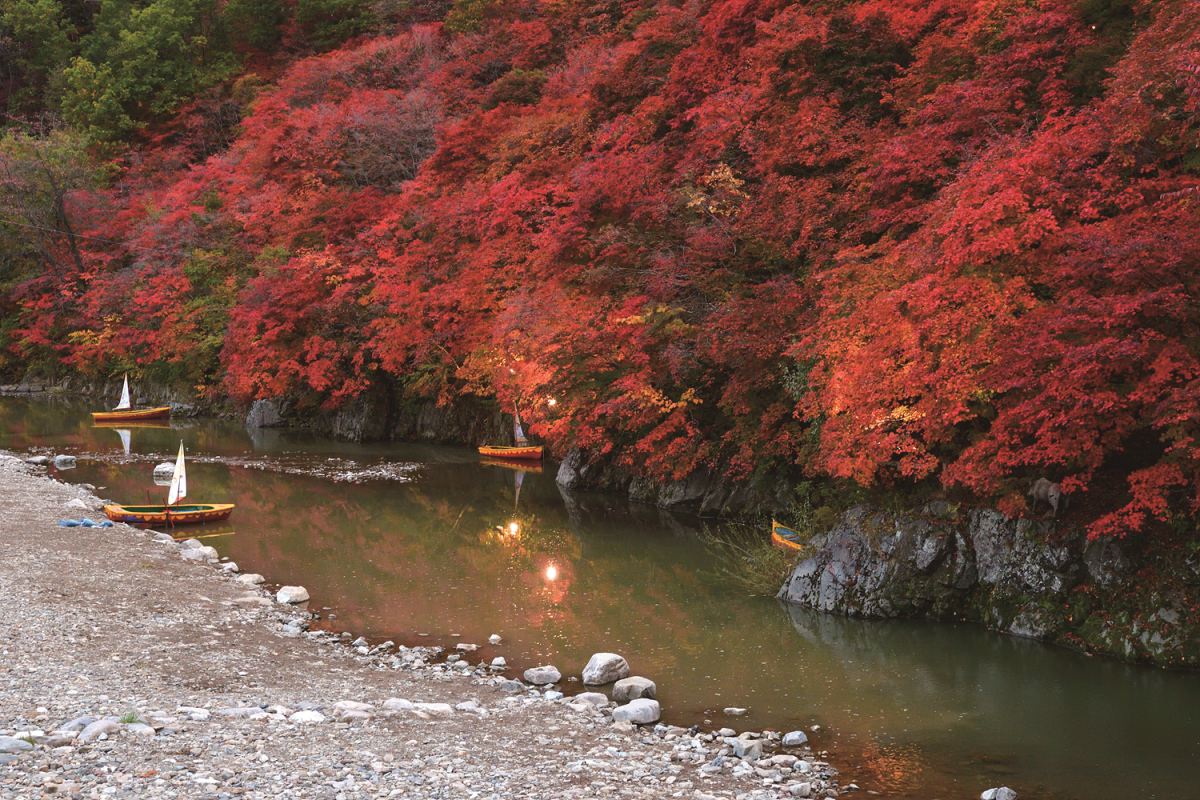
(881, 240)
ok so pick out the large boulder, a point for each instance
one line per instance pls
(605, 668)
(543, 676)
(265, 414)
(640, 712)
(628, 689)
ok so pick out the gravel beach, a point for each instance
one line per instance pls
(132, 667)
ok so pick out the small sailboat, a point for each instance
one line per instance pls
(171, 513)
(125, 412)
(786, 538)
(523, 449)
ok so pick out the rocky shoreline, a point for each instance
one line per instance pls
(1038, 579)
(133, 665)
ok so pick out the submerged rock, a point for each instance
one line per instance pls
(1002, 793)
(795, 739)
(64, 462)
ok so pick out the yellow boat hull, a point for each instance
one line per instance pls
(132, 415)
(785, 538)
(174, 515)
(530, 453)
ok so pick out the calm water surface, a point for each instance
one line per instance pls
(409, 542)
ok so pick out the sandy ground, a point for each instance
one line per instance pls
(193, 681)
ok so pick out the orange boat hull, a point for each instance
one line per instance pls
(136, 415)
(530, 453)
(186, 514)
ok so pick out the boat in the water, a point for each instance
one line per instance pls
(171, 513)
(785, 537)
(523, 449)
(125, 412)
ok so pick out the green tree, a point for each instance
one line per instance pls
(328, 23)
(39, 43)
(144, 61)
(255, 22)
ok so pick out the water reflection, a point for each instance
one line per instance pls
(404, 540)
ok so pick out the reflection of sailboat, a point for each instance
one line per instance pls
(161, 424)
(172, 513)
(126, 411)
(523, 466)
(523, 449)
(126, 436)
(518, 479)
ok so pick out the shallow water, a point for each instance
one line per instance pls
(409, 542)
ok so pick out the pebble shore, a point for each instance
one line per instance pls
(134, 667)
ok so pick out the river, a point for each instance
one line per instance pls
(415, 543)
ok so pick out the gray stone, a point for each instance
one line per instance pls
(747, 749)
(230, 567)
(632, 688)
(205, 554)
(605, 668)
(189, 544)
(38, 461)
(359, 642)
(77, 724)
(141, 729)
(734, 711)
(554, 695)
(642, 711)
(98, 728)
(252, 578)
(265, 414)
(7, 758)
(595, 698)
(543, 676)
(795, 739)
(292, 594)
(512, 687)
(1001, 793)
(307, 716)
(1105, 562)
(165, 538)
(397, 704)
(64, 462)
(437, 709)
(494, 639)
(8, 744)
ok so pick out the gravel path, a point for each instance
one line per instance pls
(128, 671)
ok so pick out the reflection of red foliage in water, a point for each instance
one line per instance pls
(889, 240)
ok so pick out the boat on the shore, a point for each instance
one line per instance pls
(785, 537)
(170, 514)
(523, 449)
(125, 412)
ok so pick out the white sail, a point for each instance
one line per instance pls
(124, 404)
(124, 434)
(518, 434)
(178, 480)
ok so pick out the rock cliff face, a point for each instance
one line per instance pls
(703, 491)
(1028, 578)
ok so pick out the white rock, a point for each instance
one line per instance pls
(206, 554)
(188, 544)
(543, 676)
(595, 698)
(494, 639)
(795, 739)
(64, 462)
(252, 578)
(499, 663)
(196, 714)
(139, 729)
(99, 728)
(1001, 793)
(309, 717)
(554, 695)
(466, 648)
(352, 705)
(605, 668)
(292, 594)
(438, 709)
(76, 503)
(628, 689)
(164, 471)
(747, 749)
(397, 704)
(468, 705)
(252, 600)
(230, 566)
(351, 715)
(733, 711)
(253, 712)
(640, 712)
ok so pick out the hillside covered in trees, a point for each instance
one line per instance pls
(883, 240)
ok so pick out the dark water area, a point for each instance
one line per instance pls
(414, 543)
